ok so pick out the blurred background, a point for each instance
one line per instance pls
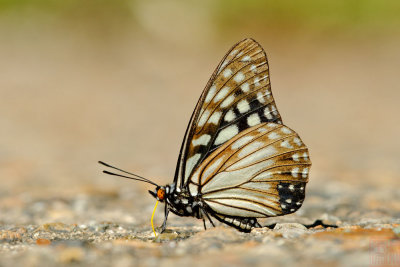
(82, 81)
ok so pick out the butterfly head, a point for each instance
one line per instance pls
(159, 193)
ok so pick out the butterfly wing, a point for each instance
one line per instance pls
(237, 96)
(261, 172)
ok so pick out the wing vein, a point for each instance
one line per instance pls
(245, 199)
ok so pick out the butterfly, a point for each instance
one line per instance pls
(238, 161)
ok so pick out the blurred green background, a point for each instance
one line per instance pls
(368, 14)
(82, 81)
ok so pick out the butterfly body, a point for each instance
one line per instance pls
(238, 161)
(183, 204)
(180, 202)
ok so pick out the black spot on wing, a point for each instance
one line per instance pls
(291, 196)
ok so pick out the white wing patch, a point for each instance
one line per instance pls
(221, 94)
(245, 87)
(230, 116)
(191, 162)
(243, 106)
(214, 119)
(295, 172)
(227, 101)
(227, 73)
(202, 140)
(297, 141)
(273, 136)
(239, 77)
(203, 118)
(286, 144)
(226, 134)
(253, 119)
(211, 94)
(246, 59)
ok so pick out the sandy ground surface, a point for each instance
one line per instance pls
(68, 102)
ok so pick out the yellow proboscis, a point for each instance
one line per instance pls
(152, 216)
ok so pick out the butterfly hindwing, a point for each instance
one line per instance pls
(237, 97)
(261, 172)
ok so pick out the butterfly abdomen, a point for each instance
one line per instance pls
(243, 224)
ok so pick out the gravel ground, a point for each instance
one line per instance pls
(366, 233)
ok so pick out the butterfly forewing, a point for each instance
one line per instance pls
(237, 97)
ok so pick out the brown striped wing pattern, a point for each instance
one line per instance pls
(238, 96)
(237, 155)
(261, 172)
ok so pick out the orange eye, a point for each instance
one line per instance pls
(161, 194)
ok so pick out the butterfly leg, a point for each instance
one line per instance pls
(164, 225)
(208, 217)
(204, 223)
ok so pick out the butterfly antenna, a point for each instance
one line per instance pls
(135, 176)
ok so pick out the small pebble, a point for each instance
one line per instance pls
(290, 230)
(43, 242)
